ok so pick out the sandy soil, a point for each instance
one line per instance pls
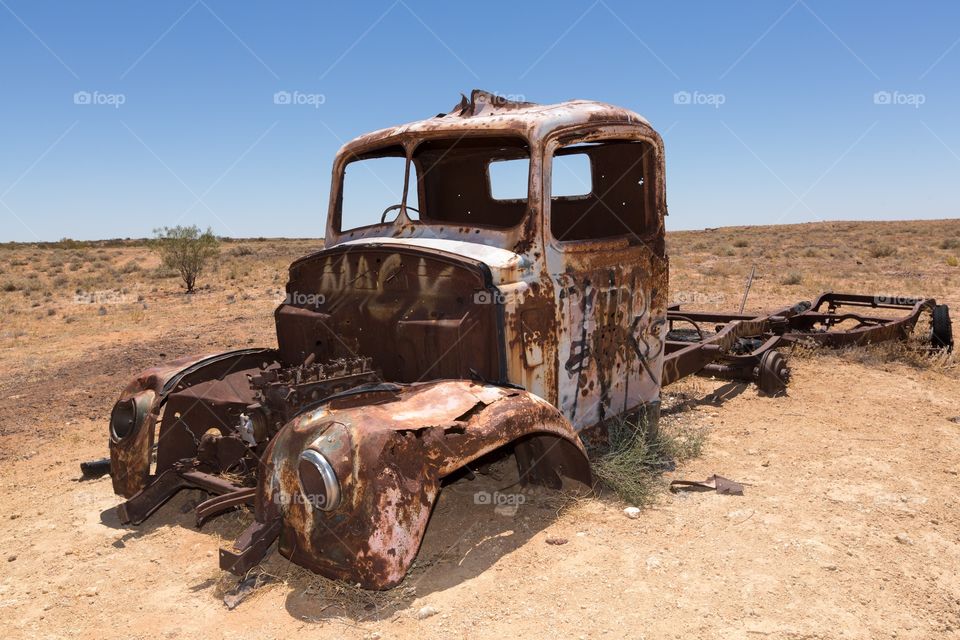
(849, 526)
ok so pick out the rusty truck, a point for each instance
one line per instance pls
(508, 290)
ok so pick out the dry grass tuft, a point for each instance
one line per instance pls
(792, 278)
(639, 454)
(882, 251)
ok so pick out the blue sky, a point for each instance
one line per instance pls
(774, 111)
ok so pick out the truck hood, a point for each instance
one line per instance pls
(504, 265)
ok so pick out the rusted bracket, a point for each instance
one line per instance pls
(218, 504)
(151, 497)
(167, 484)
(250, 548)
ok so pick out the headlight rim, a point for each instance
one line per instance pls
(134, 420)
(328, 476)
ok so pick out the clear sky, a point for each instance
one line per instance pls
(122, 116)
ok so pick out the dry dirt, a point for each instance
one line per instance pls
(849, 526)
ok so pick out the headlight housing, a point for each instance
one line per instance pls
(318, 482)
(124, 419)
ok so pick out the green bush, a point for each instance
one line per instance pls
(187, 251)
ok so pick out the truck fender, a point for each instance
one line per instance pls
(389, 446)
(141, 401)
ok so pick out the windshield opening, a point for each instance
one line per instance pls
(452, 181)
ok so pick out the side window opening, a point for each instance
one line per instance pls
(508, 179)
(602, 190)
(475, 181)
(572, 176)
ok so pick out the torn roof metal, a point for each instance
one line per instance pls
(488, 111)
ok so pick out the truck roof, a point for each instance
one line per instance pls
(485, 110)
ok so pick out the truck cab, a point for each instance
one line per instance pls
(493, 277)
(519, 243)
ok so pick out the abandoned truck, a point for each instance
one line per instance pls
(488, 302)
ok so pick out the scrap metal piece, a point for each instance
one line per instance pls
(941, 333)
(739, 347)
(716, 483)
(773, 374)
(250, 548)
(219, 504)
(95, 468)
(244, 589)
(746, 291)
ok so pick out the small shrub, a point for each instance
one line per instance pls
(952, 261)
(740, 243)
(242, 250)
(792, 278)
(950, 243)
(639, 454)
(882, 251)
(130, 267)
(187, 251)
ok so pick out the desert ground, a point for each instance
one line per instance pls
(849, 526)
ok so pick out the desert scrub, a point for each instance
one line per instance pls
(186, 250)
(792, 278)
(638, 454)
(882, 251)
(241, 250)
(914, 352)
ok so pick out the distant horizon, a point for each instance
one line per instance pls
(223, 238)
